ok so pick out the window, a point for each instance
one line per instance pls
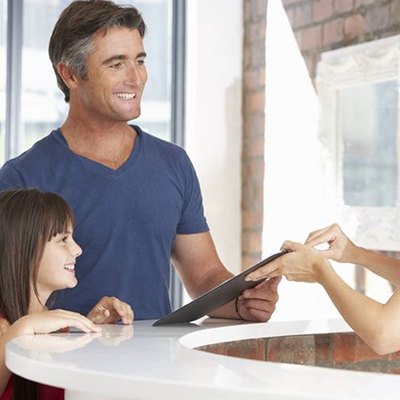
(358, 87)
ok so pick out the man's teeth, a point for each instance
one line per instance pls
(69, 267)
(126, 96)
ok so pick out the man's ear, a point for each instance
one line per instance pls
(67, 75)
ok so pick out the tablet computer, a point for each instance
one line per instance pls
(215, 298)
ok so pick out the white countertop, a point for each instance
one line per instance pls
(145, 362)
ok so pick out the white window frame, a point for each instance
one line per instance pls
(368, 63)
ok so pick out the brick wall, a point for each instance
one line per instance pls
(323, 25)
(253, 129)
(319, 25)
(331, 350)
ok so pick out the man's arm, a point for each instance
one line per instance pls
(198, 264)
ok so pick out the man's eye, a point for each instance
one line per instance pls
(141, 61)
(116, 65)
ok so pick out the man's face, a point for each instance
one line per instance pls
(116, 76)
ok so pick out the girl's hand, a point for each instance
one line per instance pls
(110, 310)
(51, 321)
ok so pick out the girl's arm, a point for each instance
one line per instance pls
(36, 323)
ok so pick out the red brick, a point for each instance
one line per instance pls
(291, 16)
(364, 353)
(303, 15)
(252, 219)
(251, 78)
(343, 348)
(394, 371)
(254, 147)
(249, 259)
(311, 38)
(253, 127)
(255, 102)
(323, 350)
(252, 195)
(253, 169)
(289, 2)
(257, 53)
(378, 18)
(394, 12)
(299, 38)
(359, 3)
(341, 6)
(354, 27)
(251, 242)
(291, 349)
(333, 32)
(323, 10)
(394, 356)
(253, 349)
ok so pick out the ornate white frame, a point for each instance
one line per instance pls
(373, 227)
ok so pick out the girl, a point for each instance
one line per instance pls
(37, 257)
(377, 324)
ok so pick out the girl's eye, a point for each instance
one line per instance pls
(64, 239)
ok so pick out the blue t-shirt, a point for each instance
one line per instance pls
(126, 220)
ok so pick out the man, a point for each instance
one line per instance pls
(136, 198)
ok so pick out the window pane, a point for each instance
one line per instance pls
(42, 104)
(367, 121)
(156, 106)
(3, 25)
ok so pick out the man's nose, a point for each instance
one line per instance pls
(134, 76)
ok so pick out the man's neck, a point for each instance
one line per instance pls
(108, 144)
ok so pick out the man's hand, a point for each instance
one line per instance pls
(259, 303)
(110, 310)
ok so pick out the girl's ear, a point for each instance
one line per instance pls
(68, 76)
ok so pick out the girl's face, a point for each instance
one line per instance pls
(57, 266)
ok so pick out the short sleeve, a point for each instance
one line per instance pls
(9, 177)
(192, 217)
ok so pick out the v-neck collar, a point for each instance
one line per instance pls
(101, 167)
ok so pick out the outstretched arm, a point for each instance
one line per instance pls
(200, 269)
(42, 322)
(377, 324)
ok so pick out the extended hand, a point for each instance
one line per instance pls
(259, 303)
(341, 248)
(110, 310)
(302, 264)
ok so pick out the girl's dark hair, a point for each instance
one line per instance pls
(29, 218)
(72, 39)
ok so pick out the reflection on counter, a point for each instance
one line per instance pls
(333, 350)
